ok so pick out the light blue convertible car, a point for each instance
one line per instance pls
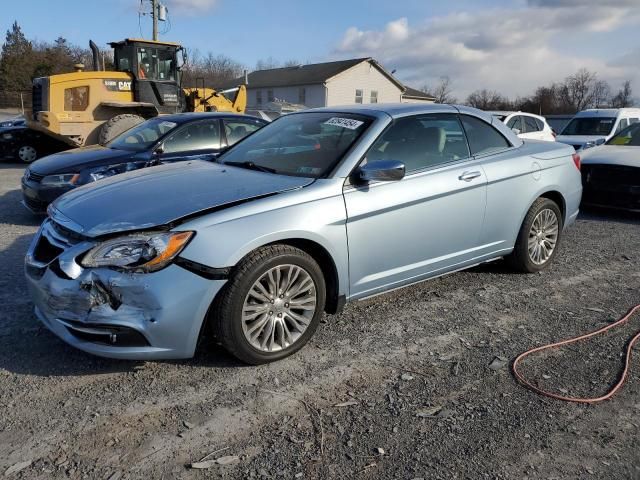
(314, 210)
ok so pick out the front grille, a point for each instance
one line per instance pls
(610, 175)
(52, 242)
(614, 186)
(34, 177)
(45, 251)
(35, 205)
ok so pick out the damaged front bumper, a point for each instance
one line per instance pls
(112, 313)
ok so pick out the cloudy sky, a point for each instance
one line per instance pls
(511, 45)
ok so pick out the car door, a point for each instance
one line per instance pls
(236, 129)
(428, 222)
(199, 140)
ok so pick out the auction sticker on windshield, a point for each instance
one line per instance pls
(349, 123)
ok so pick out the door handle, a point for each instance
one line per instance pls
(468, 176)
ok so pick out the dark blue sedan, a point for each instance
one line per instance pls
(164, 139)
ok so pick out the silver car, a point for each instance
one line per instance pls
(314, 210)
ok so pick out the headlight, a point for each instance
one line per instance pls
(143, 252)
(64, 180)
(7, 136)
(98, 173)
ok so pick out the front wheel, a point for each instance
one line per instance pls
(271, 305)
(538, 238)
(26, 153)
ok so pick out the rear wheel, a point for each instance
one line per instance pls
(26, 153)
(271, 305)
(539, 236)
(117, 125)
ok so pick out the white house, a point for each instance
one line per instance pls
(358, 80)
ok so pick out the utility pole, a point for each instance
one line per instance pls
(154, 13)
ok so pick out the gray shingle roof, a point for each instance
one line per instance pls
(414, 93)
(303, 74)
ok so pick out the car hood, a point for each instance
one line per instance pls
(77, 159)
(161, 195)
(628, 156)
(579, 139)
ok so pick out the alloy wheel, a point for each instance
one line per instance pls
(279, 308)
(543, 236)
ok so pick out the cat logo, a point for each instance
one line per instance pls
(118, 85)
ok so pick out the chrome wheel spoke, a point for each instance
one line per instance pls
(279, 308)
(543, 236)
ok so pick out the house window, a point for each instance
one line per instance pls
(358, 96)
(374, 96)
(259, 97)
(270, 96)
(302, 96)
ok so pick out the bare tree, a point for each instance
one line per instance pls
(442, 91)
(601, 94)
(291, 63)
(488, 100)
(577, 90)
(267, 64)
(624, 97)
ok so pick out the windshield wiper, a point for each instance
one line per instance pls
(251, 166)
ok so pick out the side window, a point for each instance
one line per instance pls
(633, 120)
(194, 136)
(531, 125)
(421, 141)
(165, 65)
(515, 122)
(540, 124)
(236, 130)
(76, 99)
(147, 63)
(483, 138)
(624, 123)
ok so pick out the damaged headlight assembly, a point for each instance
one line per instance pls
(140, 252)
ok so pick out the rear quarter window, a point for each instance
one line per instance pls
(483, 138)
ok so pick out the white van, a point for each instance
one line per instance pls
(597, 125)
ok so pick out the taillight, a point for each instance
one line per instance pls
(576, 160)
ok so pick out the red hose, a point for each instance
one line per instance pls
(611, 392)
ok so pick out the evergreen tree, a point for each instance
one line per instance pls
(16, 61)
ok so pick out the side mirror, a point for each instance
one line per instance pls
(159, 150)
(381, 170)
(516, 131)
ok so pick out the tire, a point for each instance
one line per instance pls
(26, 153)
(117, 125)
(235, 299)
(548, 216)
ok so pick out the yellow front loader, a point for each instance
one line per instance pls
(87, 107)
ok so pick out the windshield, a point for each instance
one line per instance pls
(589, 126)
(143, 136)
(301, 145)
(630, 136)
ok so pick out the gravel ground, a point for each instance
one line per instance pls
(395, 387)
